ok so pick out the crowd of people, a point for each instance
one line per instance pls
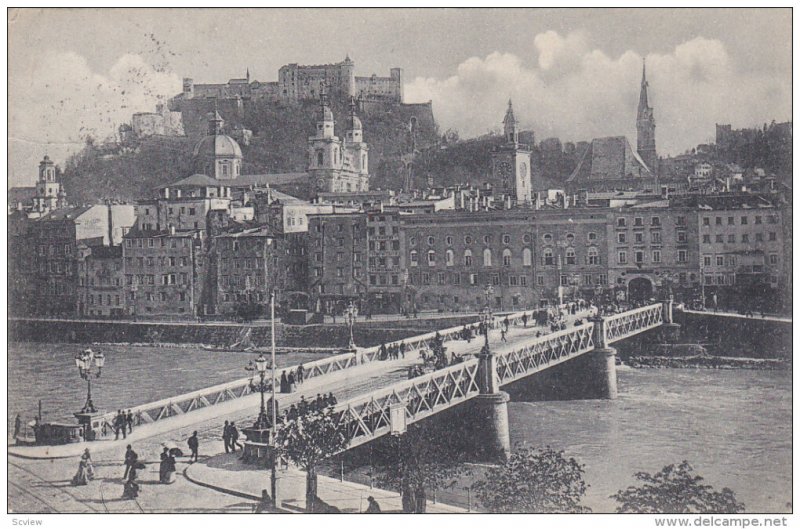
(394, 351)
(306, 407)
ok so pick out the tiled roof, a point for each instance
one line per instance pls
(271, 179)
(609, 158)
(197, 180)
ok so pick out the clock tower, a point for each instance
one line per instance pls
(511, 163)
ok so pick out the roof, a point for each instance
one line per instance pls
(610, 158)
(270, 179)
(726, 202)
(136, 232)
(69, 213)
(219, 146)
(106, 252)
(197, 180)
(21, 194)
(260, 231)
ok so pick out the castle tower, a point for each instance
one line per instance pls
(511, 163)
(49, 195)
(217, 155)
(646, 128)
(348, 72)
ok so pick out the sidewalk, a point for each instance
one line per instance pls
(225, 473)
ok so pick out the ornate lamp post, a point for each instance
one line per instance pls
(351, 312)
(260, 367)
(486, 316)
(86, 362)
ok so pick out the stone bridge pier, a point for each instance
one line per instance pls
(488, 412)
(670, 331)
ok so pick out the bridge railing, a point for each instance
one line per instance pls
(543, 352)
(368, 416)
(626, 324)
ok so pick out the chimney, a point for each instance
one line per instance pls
(110, 225)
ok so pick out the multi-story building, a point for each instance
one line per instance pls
(741, 245)
(386, 263)
(452, 257)
(165, 273)
(337, 249)
(571, 246)
(652, 250)
(100, 281)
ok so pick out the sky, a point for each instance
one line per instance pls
(571, 73)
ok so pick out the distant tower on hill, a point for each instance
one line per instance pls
(49, 194)
(646, 128)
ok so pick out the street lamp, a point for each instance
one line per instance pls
(260, 367)
(486, 317)
(86, 363)
(351, 312)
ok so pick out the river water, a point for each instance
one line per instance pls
(733, 426)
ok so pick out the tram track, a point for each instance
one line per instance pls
(48, 483)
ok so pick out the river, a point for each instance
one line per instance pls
(733, 426)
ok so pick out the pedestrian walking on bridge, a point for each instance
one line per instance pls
(194, 446)
(131, 458)
(226, 436)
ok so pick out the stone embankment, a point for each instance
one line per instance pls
(707, 362)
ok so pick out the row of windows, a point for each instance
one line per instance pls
(100, 281)
(248, 264)
(151, 243)
(730, 260)
(162, 296)
(449, 257)
(639, 256)
(745, 237)
(192, 211)
(258, 296)
(743, 220)
(622, 222)
(382, 230)
(245, 281)
(446, 278)
(569, 237)
(54, 249)
(449, 239)
(638, 237)
(565, 280)
(592, 257)
(150, 279)
(99, 299)
(162, 261)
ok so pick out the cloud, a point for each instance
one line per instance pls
(58, 99)
(569, 90)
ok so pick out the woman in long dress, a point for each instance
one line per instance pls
(85, 471)
(167, 468)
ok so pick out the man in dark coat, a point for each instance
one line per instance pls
(129, 421)
(234, 437)
(226, 436)
(194, 446)
(131, 458)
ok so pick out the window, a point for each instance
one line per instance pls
(547, 238)
(759, 237)
(487, 257)
(431, 258)
(487, 239)
(656, 256)
(495, 279)
(730, 221)
(414, 258)
(706, 260)
(456, 278)
(718, 221)
(655, 221)
(622, 257)
(681, 236)
(526, 257)
(506, 257)
(548, 257)
(570, 255)
(731, 260)
(563, 280)
(592, 236)
(441, 277)
(681, 221)
(570, 238)
(655, 236)
(720, 260)
(637, 221)
(602, 279)
(592, 256)
(719, 238)
(431, 241)
(621, 222)
(773, 259)
(587, 279)
(523, 281)
(467, 257)
(772, 219)
(473, 279)
(540, 280)
(744, 220)
(506, 239)
(758, 219)
(745, 237)
(449, 240)
(706, 221)
(621, 239)
(339, 272)
(426, 278)
(639, 256)
(639, 237)
(731, 238)
(467, 239)
(448, 257)
(526, 238)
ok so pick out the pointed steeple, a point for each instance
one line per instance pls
(248, 75)
(643, 103)
(510, 127)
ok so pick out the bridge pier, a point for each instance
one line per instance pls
(490, 431)
(670, 331)
(603, 378)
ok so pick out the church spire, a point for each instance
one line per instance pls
(643, 103)
(510, 127)
(646, 127)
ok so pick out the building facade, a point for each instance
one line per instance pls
(100, 282)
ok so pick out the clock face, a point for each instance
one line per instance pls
(321, 183)
(523, 170)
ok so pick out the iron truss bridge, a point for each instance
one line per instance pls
(367, 417)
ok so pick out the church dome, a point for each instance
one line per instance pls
(353, 123)
(218, 146)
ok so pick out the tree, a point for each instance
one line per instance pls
(417, 462)
(675, 490)
(309, 440)
(534, 481)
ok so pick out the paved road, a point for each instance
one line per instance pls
(44, 485)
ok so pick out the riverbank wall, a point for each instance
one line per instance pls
(223, 335)
(727, 336)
